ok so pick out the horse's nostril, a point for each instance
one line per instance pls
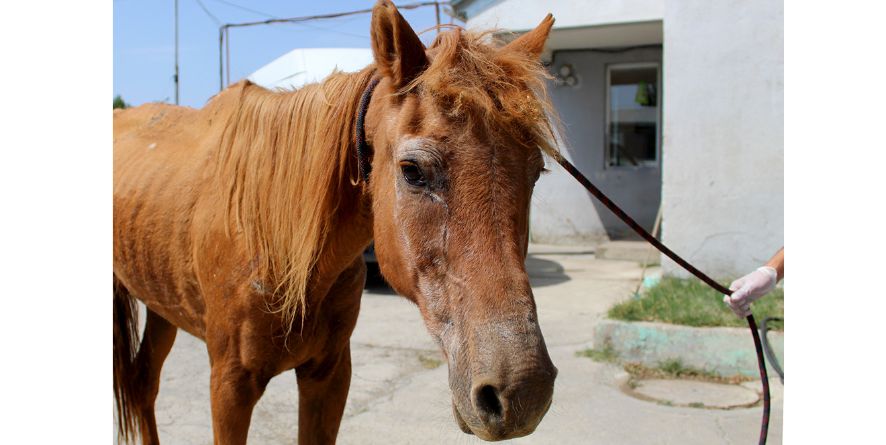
(487, 401)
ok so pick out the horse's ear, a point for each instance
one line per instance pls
(533, 42)
(398, 52)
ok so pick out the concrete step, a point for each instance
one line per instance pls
(639, 251)
(559, 249)
(725, 351)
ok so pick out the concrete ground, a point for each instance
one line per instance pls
(399, 392)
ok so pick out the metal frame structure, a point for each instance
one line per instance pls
(224, 38)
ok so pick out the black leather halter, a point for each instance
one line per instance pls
(362, 146)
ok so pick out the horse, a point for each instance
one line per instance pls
(243, 223)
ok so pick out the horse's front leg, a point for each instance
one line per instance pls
(234, 391)
(323, 381)
(322, 393)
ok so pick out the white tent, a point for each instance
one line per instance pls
(302, 66)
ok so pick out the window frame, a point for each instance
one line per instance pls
(608, 123)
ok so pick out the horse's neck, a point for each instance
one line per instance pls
(350, 228)
(288, 180)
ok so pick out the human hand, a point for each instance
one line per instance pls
(750, 288)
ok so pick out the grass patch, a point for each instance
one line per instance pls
(675, 369)
(606, 355)
(692, 303)
(668, 369)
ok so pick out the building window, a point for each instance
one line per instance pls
(632, 114)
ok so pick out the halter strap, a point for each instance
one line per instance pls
(362, 146)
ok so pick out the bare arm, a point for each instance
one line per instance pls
(777, 263)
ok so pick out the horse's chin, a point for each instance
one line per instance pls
(487, 436)
(461, 422)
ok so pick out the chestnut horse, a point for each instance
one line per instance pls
(243, 223)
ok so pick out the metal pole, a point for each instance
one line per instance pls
(221, 54)
(176, 52)
(437, 13)
(228, 55)
(223, 35)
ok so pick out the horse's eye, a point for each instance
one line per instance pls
(412, 174)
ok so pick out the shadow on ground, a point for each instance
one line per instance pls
(542, 272)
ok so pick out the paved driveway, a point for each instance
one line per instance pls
(399, 394)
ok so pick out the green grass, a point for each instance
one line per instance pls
(606, 355)
(690, 302)
(675, 369)
(668, 369)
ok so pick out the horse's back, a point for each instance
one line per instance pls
(161, 139)
(152, 136)
(162, 159)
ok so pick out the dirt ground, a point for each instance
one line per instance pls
(399, 392)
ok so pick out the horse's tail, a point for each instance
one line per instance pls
(126, 343)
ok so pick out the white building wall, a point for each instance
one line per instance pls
(521, 15)
(723, 156)
(723, 113)
(562, 210)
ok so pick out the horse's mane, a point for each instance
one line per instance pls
(472, 76)
(283, 154)
(283, 161)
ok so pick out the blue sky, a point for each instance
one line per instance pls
(144, 41)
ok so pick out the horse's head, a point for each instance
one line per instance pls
(458, 132)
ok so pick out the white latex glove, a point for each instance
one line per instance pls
(749, 289)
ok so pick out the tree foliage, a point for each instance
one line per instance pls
(120, 103)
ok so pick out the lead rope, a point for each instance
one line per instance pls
(365, 168)
(752, 324)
